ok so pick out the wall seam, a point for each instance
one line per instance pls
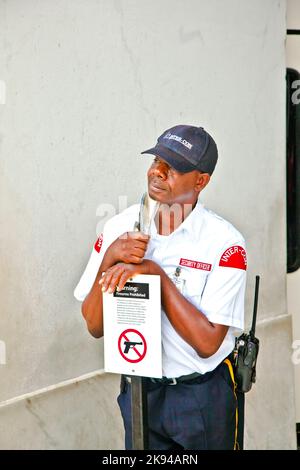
(274, 319)
(99, 372)
(50, 388)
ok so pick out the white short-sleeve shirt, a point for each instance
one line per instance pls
(210, 254)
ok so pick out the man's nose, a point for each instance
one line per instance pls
(160, 169)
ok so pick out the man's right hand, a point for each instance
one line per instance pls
(128, 248)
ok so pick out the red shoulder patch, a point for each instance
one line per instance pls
(98, 243)
(234, 257)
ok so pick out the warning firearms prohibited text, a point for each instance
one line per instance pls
(132, 328)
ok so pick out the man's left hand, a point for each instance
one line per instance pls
(117, 276)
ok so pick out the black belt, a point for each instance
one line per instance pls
(190, 378)
(176, 380)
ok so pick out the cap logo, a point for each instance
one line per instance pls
(178, 139)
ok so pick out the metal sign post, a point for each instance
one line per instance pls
(139, 414)
(139, 406)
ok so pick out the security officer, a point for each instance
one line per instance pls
(201, 261)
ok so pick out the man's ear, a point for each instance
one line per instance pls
(202, 180)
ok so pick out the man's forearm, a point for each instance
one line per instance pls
(189, 322)
(92, 306)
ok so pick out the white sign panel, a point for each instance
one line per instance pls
(132, 328)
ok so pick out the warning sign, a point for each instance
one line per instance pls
(132, 328)
(132, 345)
(134, 290)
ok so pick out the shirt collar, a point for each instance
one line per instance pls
(194, 220)
(192, 224)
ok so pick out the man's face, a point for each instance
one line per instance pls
(168, 186)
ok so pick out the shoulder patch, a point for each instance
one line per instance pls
(98, 243)
(234, 257)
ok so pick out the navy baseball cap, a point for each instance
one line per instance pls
(187, 148)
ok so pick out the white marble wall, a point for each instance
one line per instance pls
(269, 410)
(80, 416)
(88, 86)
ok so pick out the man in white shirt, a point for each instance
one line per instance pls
(201, 261)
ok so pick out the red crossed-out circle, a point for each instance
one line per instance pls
(126, 338)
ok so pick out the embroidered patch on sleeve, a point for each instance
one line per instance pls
(98, 243)
(234, 257)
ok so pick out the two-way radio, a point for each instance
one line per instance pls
(246, 351)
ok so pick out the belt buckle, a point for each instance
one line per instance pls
(174, 381)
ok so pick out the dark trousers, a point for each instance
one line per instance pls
(198, 414)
